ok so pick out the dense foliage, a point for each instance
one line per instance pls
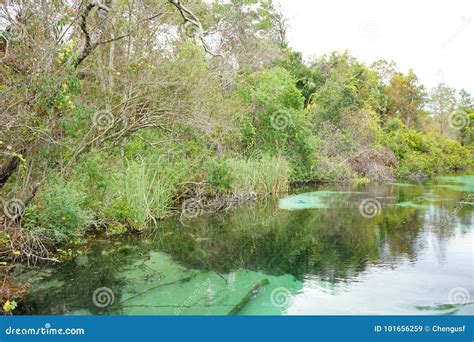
(115, 117)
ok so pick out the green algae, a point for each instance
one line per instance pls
(463, 183)
(310, 200)
(175, 290)
(412, 205)
(160, 286)
(408, 185)
(449, 309)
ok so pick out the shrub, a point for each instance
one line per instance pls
(218, 177)
(414, 163)
(426, 153)
(60, 214)
(92, 177)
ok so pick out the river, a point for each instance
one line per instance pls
(400, 248)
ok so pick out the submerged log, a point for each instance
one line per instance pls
(182, 280)
(244, 301)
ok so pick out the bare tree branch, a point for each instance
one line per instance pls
(92, 38)
(189, 17)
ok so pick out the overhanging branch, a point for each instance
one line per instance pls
(189, 17)
(92, 39)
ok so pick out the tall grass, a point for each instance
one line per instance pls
(268, 175)
(147, 188)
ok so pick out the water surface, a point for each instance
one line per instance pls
(401, 248)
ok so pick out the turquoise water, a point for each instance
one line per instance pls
(401, 248)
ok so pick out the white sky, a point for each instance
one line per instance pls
(434, 38)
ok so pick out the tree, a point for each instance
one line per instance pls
(277, 123)
(442, 103)
(307, 79)
(344, 84)
(465, 99)
(55, 52)
(466, 110)
(406, 98)
(385, 69)
(248, 34)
